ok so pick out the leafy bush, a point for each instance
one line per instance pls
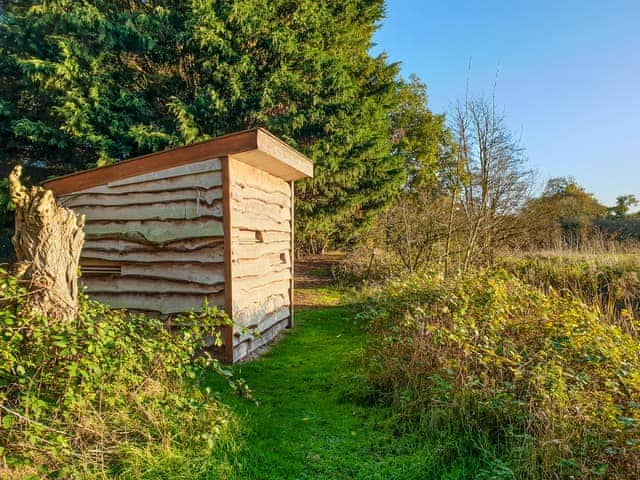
(109, 394)
(538, 381)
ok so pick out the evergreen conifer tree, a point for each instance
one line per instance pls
(86, 83)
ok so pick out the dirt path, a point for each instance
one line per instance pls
(315, 271)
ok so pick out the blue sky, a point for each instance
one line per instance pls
(568, 76)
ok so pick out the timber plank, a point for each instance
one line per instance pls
(155, 231)
(254, 313)
(243, 191)
(204, 196)
(190, 272)
(196, 180)
(181, 210)
(205, 255)
(116, 284)
(119, 245)
(162, 303)
(198, 167)
(265, 324)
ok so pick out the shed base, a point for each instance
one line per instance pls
(245, 348)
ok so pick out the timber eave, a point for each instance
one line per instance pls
(257, 147)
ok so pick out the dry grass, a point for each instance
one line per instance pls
(609, 281)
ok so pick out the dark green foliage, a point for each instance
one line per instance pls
(564, 214)
(107, 393)
(84, 83)
(624, 203)
(625, 228)
(420, 137)
(6, 221)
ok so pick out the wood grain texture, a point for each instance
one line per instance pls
(261, 222)
(121, 245)
(259, 195)
(267, 322)
(227, 332)
(203, 256)
(156, 232)
(255, 250)
(213, 165)
(246, 285)
(251, 343)
(256, 312)
(261, 254)
(161, 210)
(204, 196)
(162, 303)
(116, 284)
(196, 180)
(163, 231)
(261, 266)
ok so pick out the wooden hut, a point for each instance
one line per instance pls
(213, 220)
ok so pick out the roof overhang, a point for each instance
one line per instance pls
(256, 147)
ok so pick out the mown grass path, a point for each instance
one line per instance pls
(307, 422)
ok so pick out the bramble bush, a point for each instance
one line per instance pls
(110, 394)
(539, 384)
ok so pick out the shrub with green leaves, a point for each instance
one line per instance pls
(541, 382)
(110, 394)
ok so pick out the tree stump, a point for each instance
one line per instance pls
(48, 240)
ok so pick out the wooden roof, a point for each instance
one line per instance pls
(256, 147)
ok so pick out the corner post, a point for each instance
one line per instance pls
(292, 259)
(227, 332)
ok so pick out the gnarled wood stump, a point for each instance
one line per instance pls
(48, 240)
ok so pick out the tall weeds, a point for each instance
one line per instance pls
(108, 395)
(608, 281)
(536, 383)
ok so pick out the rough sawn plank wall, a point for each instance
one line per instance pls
(261, 228)
(155, 242)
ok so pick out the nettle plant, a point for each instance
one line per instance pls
(87, 396)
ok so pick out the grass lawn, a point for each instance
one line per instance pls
(307, 420)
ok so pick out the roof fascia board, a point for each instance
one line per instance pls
(256, 146)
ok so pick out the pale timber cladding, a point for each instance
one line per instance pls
(261, 251)
(209, 221)
(155, 242)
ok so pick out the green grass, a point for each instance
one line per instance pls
(310, 418)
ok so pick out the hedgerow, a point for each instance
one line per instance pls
(110, 394)
(541, 383)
